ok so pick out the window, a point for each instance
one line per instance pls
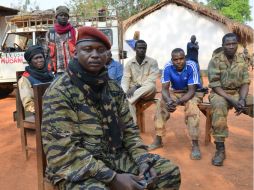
(17, 42)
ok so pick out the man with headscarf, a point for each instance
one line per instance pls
(61, 41)
(88, 134)
(36, 72)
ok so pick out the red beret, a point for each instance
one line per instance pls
(89, 32)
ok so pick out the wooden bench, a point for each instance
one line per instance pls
(204, 107)
(43, 184)
(141, 106)
(24, 122)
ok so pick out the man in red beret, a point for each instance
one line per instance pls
(88, 134)
(61, 42)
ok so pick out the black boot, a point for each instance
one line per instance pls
(157, 143)
(220, 154)
(195, 152)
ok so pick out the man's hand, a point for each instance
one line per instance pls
(179, 102)
(171, 106)
(131, 91)
(241, 105)
(238, 105)
(126, 182)
(148, 173)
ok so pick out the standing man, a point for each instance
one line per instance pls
(247, 58)
(192, 53)
(192, 49)
(61, 41)
(229, 79)
(115, 69)
(88, 134)
(139, 77)
(183, 78)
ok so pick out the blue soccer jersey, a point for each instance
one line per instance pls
(180, 80)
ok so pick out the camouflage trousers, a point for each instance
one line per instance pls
(169, 174)
(191, 115)
(220, 108)
(144, 92)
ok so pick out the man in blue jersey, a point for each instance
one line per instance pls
(184, 79)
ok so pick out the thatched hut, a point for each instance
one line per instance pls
(170, 24)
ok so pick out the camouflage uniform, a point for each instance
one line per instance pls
(78, 154)
(230, 77)
(191, 114)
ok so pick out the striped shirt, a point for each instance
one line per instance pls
(180, 80)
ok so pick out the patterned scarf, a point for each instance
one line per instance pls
(96, 89)
(64, 29)
(42, 75)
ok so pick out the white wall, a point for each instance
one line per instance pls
(171, 27)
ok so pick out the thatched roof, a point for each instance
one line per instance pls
(244, 32)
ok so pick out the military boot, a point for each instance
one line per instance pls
(157, 143)
(220, 154)
(195, 152)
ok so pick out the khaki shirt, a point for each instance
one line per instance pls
(26, 94)
(143, 74)
(225, 75)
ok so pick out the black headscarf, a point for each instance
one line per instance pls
(96, 89)
(43, 74)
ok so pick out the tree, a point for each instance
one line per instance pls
(238, 10)
(124, 8)
(27, 6)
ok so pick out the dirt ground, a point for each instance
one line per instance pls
(236, 174)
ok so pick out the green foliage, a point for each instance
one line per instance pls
(124, 9)
(238, 10)
(25, 6)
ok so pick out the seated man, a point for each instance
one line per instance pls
(36, 72)
(88, 134)
(185, 81)
(229, 79)
(115, 69)
(139, 77)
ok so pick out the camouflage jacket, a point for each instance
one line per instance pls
(73, 138)
(225, 75)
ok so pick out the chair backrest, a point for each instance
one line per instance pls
(19, 107)
(39, 90)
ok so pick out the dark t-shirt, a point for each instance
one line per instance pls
(192, 52)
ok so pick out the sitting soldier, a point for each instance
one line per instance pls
(88, 134)
(139, 77)
(36, 72)
(185, 81)
(229, 79)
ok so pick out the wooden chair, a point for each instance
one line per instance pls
(24, 122)
(141, 106)
(43, 184)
